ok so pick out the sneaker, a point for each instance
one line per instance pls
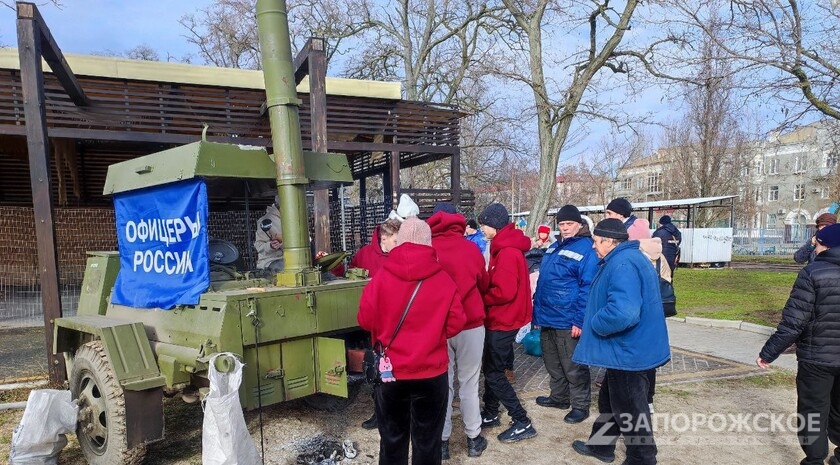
(576, 415)
(546, 401)
(370, 423)
(444, 450)
(583, 449)
(476, 445)
(489, 421)
(518, 431)
(650, 407)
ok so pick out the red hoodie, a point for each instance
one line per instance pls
(508, 299)
(370, 257)
(464, 263)
(419, 350)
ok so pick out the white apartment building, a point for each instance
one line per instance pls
(791, 178)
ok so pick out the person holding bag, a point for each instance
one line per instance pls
(411, 408)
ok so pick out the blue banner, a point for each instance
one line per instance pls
(162, 235)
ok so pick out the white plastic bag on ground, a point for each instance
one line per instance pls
(49, 415)
(225, 439)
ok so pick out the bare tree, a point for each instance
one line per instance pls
(783, 50)
(708, 149)
(557, 103)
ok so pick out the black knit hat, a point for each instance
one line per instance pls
(569, 213)
(621, 206)
(612, 228)
(665, 219)
(472, 224)
(445, 207)
(829, 236)
(495, 215)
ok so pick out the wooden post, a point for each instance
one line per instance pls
(395, 177)
(32, 83)
(455, 176)
(318, 119)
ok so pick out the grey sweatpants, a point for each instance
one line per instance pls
(465, 352)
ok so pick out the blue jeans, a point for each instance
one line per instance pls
(623, 410)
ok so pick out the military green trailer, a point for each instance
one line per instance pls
(291, 329)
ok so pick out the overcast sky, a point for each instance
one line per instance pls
(94, 26)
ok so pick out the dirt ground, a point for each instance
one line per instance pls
(290, 428)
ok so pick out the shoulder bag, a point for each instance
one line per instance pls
(377, 365)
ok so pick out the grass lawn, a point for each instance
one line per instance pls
(729, 294)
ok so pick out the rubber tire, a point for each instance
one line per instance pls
(93, 376)
(331, 403)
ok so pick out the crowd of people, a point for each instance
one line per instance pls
(474, 294)
(460, 290)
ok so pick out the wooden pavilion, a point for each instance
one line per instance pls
(61, 126)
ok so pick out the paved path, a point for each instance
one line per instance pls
(728, 343)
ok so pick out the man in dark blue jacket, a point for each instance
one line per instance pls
(566, 271)
(624, 331)
(671, 238)
(811, 318)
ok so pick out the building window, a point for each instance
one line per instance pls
(745, 171)
(831, 160)
(759, 168)
(774, 166)
(799, 192)
(627, 184)
(773, 194)
(653, 183)
(771, 220)
(758, 195)
(799, 164)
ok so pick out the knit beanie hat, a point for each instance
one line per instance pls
(471, 223)
(544, 229)
(445, 207)
(569, 213)
(665, 219)
(406, 209)
(621, 206)
(415, 231)
(495, 215)
(826, 219)
(612, 228)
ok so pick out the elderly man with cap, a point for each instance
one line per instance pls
(414, 293)
(508, 307)
(465, 264)
(811, 318)
(566, 272)
(807, 252)
(620, 208)
(624, 331)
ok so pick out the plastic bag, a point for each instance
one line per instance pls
(225, 439)
(49, 415)
(522, 332)
(532, 344)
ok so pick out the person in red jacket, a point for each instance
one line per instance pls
(465, 264)
(509, 307)
(413, 407)
(372, 256)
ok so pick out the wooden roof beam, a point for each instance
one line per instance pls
(52, 53)
(301, 62)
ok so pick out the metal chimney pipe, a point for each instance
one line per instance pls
(282, 104)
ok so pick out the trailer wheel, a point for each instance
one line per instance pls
(101, 428)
